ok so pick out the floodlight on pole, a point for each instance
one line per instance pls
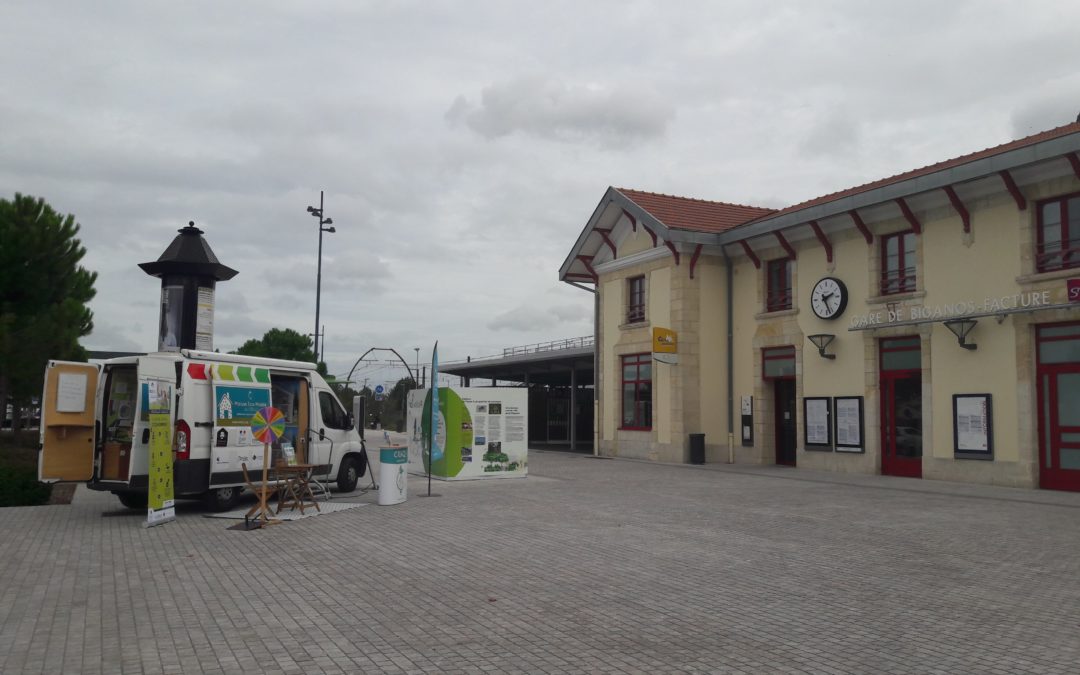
(318, 213)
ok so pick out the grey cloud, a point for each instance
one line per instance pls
(1057, 102)
(528, 317)
(554, 110)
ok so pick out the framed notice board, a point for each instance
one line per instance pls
(817, 431)
(848, 423)
(973, 426)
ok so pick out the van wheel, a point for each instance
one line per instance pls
(347, 475)
(133, 500)
(222, 498)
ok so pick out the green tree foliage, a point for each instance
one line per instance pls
(286, 344)
(43, 295)
(391, 412)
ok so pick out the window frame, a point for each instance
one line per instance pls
(779, 299)
(635, 299)
(894, 282)
(1068, 258)
(635, 360)
(339, 412)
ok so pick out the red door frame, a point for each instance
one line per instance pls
(784, 353)
(891, 464)
(1054, 477)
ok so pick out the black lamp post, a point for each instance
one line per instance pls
(318, 213)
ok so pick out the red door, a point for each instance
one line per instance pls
(1058, 375)
(901, 407)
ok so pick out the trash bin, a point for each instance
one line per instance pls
(697, 448)
(393, 478)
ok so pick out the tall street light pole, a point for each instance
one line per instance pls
(416, 381)
(318, 213)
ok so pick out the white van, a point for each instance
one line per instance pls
(95, 423)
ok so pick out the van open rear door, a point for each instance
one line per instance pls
(68, 414)
(151, 369)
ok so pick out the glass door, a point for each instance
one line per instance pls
(901, 407)
(1059, 406)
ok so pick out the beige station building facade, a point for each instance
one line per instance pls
(923, 325)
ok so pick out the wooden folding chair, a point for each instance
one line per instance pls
(262, 491)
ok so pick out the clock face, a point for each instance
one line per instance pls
(829, 298)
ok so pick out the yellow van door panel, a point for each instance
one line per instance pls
(67, 422)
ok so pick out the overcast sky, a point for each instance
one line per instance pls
(463, 145)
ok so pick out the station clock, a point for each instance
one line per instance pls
(829, 298)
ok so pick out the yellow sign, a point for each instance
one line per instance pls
(664, 341)
(158, 397)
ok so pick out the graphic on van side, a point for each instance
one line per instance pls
(235, 406)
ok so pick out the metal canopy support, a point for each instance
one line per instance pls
(960, 208)
(671, 247)
(750, 253)
(607, 240)
(651, 233)
(573, 406)
(1074, 162)
(823, 239)
(1010, 184)
(784, 244)
(916, 226)
(586, 260)
(633, 220)
(862, 226)
(694, 259)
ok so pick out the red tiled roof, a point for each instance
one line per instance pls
(940, 166)
(684, 213)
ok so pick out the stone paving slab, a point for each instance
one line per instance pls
(587, 566)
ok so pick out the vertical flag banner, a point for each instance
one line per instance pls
(436, 451)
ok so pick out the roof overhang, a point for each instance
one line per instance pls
(1018, 158)
(612, 207)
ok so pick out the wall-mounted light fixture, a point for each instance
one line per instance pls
(822, 341)
(960, 328)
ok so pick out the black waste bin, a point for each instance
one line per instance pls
(697, 448)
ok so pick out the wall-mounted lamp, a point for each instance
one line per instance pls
(822, 341)
(960, 328)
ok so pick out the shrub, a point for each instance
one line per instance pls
(19, 486)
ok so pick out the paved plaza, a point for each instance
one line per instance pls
(589, 565)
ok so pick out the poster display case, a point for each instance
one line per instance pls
(481, 433)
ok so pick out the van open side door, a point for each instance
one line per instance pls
(68, 415)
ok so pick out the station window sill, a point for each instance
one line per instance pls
(777, 314)
(895, 297)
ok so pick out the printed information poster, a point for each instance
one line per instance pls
(973, 425)
(160, 505)
(204, 320)
(483, 431)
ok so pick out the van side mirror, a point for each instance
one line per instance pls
(352, 423)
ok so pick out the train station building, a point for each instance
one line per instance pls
(922, 325)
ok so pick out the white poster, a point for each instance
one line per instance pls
(204, 320)
(972, 424)
(817, 421)
(71, 392)
(483, 432)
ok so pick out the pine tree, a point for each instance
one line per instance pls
(43, 296)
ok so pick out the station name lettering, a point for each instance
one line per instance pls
(948, 311)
